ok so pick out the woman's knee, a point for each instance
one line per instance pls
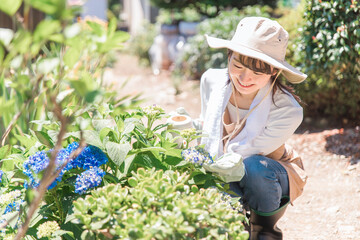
(257, 169)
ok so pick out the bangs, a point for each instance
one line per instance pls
(256, 65)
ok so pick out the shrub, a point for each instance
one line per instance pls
(331, 44)
(140, 44)
(159, 205)
(198, 56)
(210, 8)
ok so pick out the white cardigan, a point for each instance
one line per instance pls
(279, 123)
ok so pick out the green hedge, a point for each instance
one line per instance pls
(330, 51)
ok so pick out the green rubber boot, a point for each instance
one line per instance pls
(263, 225)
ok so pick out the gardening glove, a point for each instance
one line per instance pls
(229, 167)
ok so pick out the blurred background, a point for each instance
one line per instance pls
(168, 36)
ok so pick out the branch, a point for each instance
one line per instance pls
(50, 174)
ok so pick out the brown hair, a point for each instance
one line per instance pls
(257, 65)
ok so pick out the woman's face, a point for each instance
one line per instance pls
(246, 81)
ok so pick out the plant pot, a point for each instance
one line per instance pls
(169, 29)
(188, 28)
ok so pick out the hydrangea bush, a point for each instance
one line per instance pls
(122, 144)
(159, 205)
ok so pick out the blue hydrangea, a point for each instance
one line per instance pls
(13, 206)
(90, 156)
(196, 156)
(38, 162)
(1, 174)
(89, 179)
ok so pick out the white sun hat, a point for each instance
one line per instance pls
(263, 39)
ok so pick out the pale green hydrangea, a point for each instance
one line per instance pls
(9, 197)
(9, 236)
(153, 110)
(47, 229)
(187, 133)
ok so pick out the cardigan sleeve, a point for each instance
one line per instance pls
(284, 118)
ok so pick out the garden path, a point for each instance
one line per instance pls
(330, 205)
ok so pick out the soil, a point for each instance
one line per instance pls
(330, 205)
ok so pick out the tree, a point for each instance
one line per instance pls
(210, 8)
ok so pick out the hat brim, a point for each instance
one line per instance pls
(289, 72)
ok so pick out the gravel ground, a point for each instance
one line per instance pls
(330, 205)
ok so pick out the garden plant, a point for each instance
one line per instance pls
(77, 161)
(329, 50)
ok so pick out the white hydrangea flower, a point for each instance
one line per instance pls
(47, 229)
(9, 197)
(153, 110)
(9, 237)
(188, 132)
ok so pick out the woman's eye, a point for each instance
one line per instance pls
(258, 73)
(240, 67)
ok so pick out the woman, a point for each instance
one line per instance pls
(248, 114)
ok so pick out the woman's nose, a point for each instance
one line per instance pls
(246, 75)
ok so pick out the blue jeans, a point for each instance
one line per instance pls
(264, 184)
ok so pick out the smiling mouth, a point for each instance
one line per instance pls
(245, 86)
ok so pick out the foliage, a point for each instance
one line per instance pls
(174, 16)
(198, 56)
(331, 44)
(130, 141)
(209, 8)
(58, 60)
(140, 44)
(158, 205)
(79, 137)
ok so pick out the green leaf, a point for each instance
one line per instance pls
(148, 160)
(92, 137)
(111, 27)
(62, 232)
(48, 6)
(4, 151)
(91, 96)
(7, 165)
(6, 106)
(21, 42)
(88, 235)
(120, 125)
(30, 195)
(117, 152)
(129, 127)
(96, 27)
(132, 182)
(26, 141)
(46, 28)
(10, 6)
(128, 162)
(44, 138)
(2, 54)
(71, 57)
(104, 132)
(12, 218)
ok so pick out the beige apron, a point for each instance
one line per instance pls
(285, 155)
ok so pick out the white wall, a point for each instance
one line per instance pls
(97, 8)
